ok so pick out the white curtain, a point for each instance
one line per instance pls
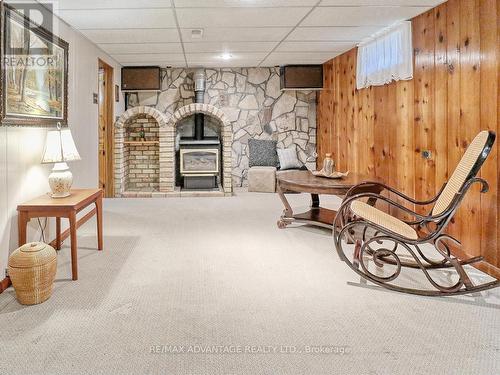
(385, 57)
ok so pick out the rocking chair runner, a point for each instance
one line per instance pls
(385, 239)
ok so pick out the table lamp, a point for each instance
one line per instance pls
(60, 148)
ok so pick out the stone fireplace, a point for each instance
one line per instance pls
(147, 168)
(240, 103)
(251, 100)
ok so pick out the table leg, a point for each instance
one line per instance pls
(22, 221)
(98, 208)
(314, 200)
(74, 246)
(287, 216)
(58, 233)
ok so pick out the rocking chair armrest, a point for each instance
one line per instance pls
(485, 187)
(398, 193)
(459, 196)
(389, 201)
(455, 202)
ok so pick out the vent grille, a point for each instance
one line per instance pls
(196, 33)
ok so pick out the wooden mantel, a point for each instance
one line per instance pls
(454, 94)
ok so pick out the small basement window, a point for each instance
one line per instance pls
(385, 57)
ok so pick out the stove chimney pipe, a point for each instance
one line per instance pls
(199, 94)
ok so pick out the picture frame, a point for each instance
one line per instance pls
(117, 93)
(33, 73)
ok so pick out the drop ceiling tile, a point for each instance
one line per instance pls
(332, 33)
(165, 58)
(298, 61)
(430, 3)
(280, 58)
(118, 18)
(239, 17)
(242, 3)
(243, 34)
(133, 36)
(216, 57)
(175, 64)
(223, 64)
(137, 48)
(110, 4)
(215, 60)
(229, 47)
(360, 16)
(315, 46)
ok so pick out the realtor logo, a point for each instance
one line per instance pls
(41, 22)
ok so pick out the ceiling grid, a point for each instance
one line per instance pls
(236, 33)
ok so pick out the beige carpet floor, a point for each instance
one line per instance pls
(206, 286)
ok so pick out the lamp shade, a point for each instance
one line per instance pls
(60, 147)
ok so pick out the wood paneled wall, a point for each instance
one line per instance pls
(453, 95)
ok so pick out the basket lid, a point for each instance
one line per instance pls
(32, 254)
(33, 247)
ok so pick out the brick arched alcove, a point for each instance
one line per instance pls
(167, 145)
(120, 161)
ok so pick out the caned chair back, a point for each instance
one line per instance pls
(467, 168)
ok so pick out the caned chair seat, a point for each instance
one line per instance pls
(375, 216)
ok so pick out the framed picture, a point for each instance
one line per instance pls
(117, 93)
(34, 73)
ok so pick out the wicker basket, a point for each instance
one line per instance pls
(32, 269)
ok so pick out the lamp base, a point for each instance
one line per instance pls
(60, 181)
(59, 195)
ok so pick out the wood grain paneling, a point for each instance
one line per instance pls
(488, 112)
(453, 95)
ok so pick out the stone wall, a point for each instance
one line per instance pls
(252, 101)
(142, 160)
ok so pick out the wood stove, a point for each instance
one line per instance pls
(199, 163)
(199, 155)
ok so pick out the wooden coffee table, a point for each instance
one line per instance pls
(306, 182)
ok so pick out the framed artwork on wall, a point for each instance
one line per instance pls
(34, 73)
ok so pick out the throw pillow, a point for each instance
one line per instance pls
(262, 153)
(288, 159)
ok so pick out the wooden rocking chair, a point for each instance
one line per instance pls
(393, 245)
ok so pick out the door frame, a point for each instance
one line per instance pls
(109, 134)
